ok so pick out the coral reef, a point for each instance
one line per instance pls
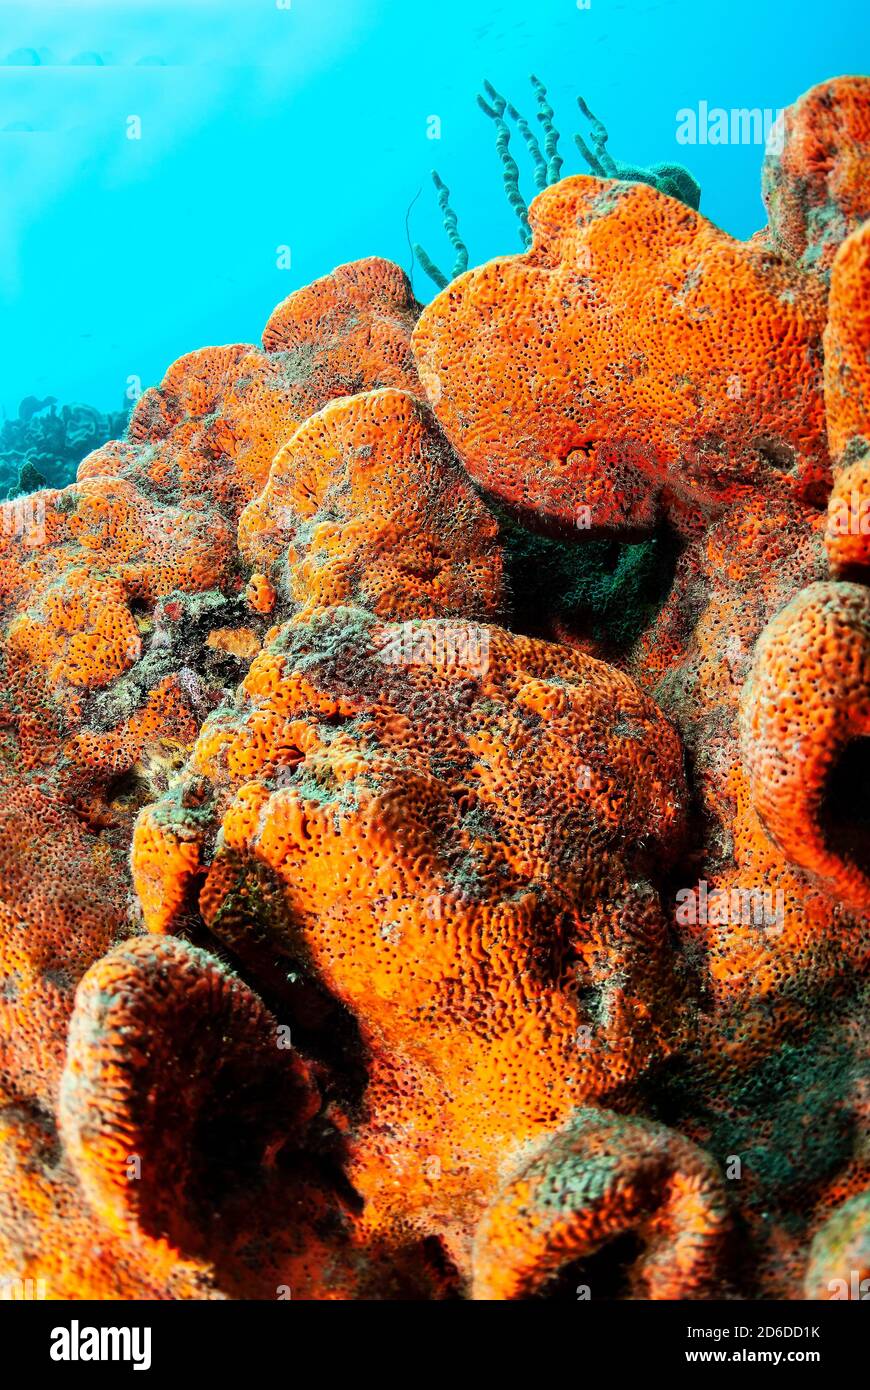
(433, 749)
(43, 446)
(207, 435)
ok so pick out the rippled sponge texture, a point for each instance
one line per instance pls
(461, 839)
(601, 1178)
(816, 176)
(209, 432)
(635, 360)
(368, 504)
(59, 912)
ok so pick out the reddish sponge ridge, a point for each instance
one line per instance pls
(48, 1234)
(568, 383)
(816, 178)
(847, 347)
(167, 1047)
(67, 595)
(847, 403)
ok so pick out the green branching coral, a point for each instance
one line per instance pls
(671, 179)
(511, 170)
(532, 144)
(551, 134)
(451, 227)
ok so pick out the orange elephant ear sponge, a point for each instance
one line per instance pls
(847, 402)
(816, 177)
(448, 828)
(349, 331)
(207, 435)
(636, 360)
(367, 504)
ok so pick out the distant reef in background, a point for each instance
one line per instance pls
(44, 444)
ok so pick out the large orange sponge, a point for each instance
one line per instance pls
(450, 829)
(368, 505)
(636, 360)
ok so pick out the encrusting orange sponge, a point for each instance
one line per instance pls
(816, 176)
(636, 361)
(61, 908)
(207, 435)
(367, 504)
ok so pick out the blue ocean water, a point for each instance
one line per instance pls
(169, 170)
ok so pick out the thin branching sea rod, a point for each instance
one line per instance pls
(547, 166)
